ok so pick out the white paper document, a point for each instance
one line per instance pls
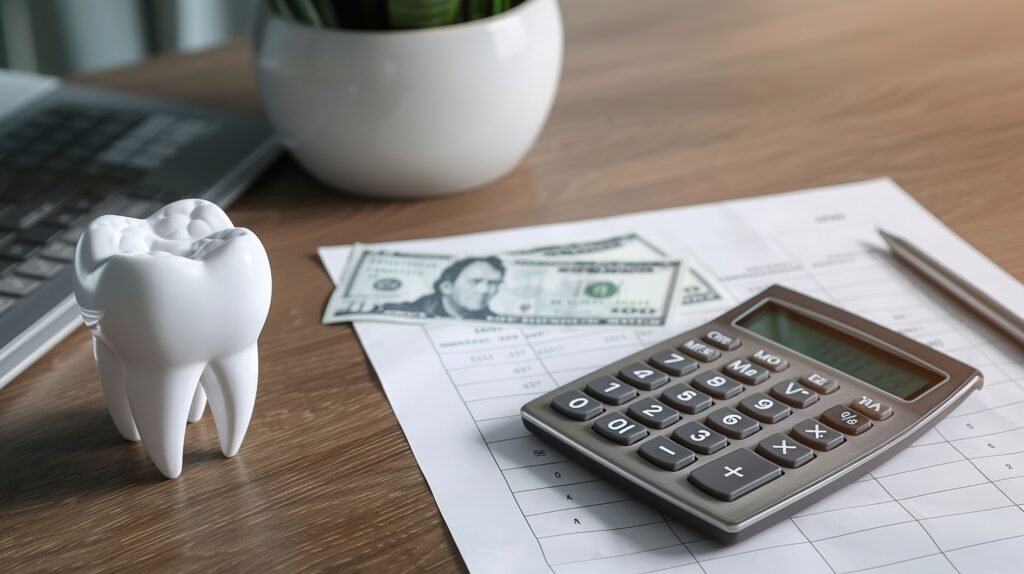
(949, 503)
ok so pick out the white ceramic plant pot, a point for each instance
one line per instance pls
(411, 113)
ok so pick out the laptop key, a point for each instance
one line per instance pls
(59, 252)
(39, 268)
(17, 249)
(17, 286)
(40, 233)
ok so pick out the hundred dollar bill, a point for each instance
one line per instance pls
(533, 289)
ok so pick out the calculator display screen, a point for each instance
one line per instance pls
(846, 353)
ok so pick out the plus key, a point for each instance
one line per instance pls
(734, 474)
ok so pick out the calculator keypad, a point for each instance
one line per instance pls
(735, 474)
(576, 405)
(817, 435)
(610, 390)
(794, 394)
(732, 423)
(620, 429)
(699, 438)
(717, 385)
(629, 407)
(746, 372)
(688, 400)
(764, 408)
(643, 376)
(667, 454)
(653, 413)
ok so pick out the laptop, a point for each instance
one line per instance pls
(69, 154)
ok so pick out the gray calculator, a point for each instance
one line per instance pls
(741, 422)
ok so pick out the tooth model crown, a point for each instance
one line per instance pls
(175, 303)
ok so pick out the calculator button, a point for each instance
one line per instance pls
(619, 429)
(731, 423)
(734, 474)
(746, 372)
(683, 398)
(721, 340)
(653, 413)
(699, 438)
(700, 351)
(764, 408)
(717, 385)
(576, 405)
(846, 420)
(819, 383)
(610, 390)
(642, 376)
(783, 450)
(872, 408)
(794, 394)
(666, 453)
(770, 361)
(816, 435)
(673, 363)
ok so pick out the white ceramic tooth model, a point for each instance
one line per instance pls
(173, 300)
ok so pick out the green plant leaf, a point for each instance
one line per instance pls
(422, 13)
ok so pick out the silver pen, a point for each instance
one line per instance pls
(956, 286)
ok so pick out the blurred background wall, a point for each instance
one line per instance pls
(64, 37)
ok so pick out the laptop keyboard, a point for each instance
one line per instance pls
(62, 167)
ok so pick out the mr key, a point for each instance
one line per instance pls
(742, 421)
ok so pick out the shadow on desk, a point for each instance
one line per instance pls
(72, 454)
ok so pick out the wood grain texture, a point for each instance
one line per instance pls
(663, 103)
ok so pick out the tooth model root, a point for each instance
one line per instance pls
(231, 387)
(112, 382)
(160, 399)
(195, 412)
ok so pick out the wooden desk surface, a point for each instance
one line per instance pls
(663, 103)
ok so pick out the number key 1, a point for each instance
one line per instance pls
(610, 390)
(576, 405)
